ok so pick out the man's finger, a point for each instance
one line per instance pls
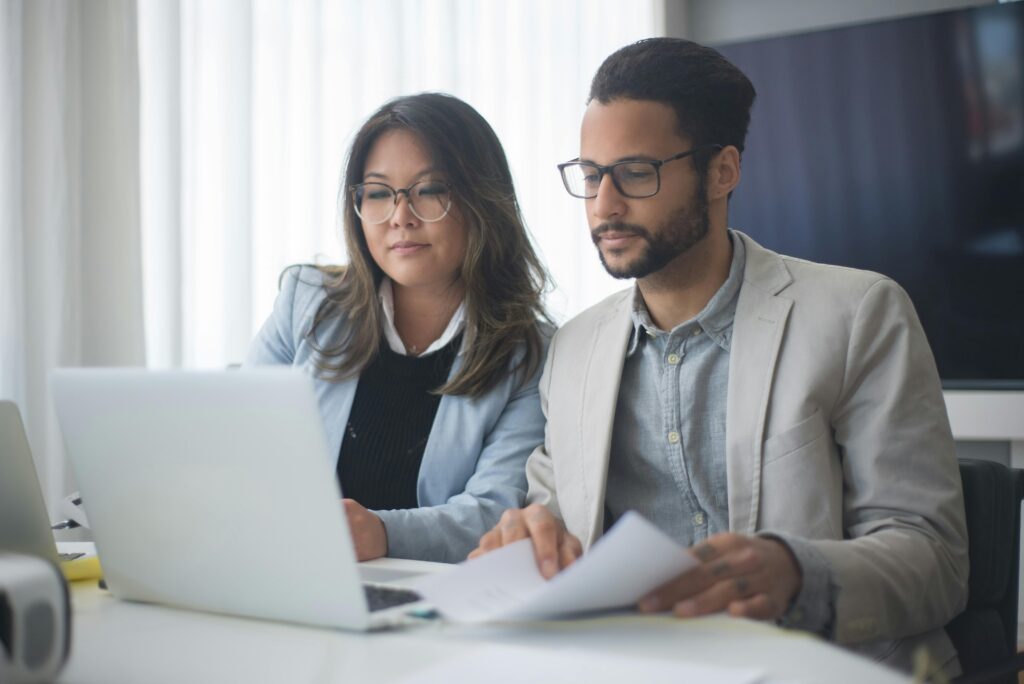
(718, 597)
(690, 583)
(511, 528)
(758, 607)
(569, 550)
(546, 534)
(716, 545)
(735, 560)
(490, 541)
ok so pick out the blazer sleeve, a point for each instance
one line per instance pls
(540, 471)
(449, 531)
(903, 568)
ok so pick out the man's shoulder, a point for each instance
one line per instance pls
(812, 275)
(808, 279)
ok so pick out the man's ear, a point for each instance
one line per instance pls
(723, 172)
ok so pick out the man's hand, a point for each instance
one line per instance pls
(368, 533)
(750, 577)
(553, 546)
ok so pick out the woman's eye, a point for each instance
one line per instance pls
(432, 189)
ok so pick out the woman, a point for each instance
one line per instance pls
(426, 347)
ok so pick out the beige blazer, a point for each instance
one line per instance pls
(836, 432)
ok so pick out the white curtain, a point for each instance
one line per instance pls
(162, 160)
(248, 108)
(70, 259)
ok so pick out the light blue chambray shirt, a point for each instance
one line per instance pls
(668, 443)
(667, 458)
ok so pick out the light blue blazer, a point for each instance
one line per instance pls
(473, 466)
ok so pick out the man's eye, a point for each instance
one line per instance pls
(634, 173)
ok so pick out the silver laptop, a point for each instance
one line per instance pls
(24, 522)
(227, 472)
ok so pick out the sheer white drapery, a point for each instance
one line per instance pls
(70, 263)
(248, 107)
(162, 160)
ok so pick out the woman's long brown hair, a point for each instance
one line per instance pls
(504, 279)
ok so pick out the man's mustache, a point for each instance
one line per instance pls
(618, 227)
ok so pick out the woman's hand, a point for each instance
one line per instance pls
(368, 533)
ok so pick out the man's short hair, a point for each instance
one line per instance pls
(711, 97)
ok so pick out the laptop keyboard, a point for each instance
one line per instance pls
(379, 597)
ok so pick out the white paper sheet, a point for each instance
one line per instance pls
(516, 665)
(633, 558)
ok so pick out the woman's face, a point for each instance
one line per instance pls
(412, 252)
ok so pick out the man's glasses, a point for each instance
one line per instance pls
(632, 178)
(375, 203)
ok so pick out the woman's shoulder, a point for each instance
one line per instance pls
(307, 283)
(301, 277)
(520, 361)
(302, 289)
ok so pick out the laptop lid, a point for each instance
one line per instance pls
(24, 522)
(227, 474)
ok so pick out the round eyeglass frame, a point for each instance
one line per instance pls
(396, 193)
(611, 169)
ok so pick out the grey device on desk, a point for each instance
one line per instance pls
(24, 522)
(229, 474)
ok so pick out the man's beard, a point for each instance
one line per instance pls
(681, 231)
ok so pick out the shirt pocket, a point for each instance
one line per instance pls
(795, 438)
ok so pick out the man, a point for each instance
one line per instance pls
(782, 418)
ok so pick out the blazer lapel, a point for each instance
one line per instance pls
(758, 328)
(599, 397)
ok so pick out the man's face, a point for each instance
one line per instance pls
(638, 237)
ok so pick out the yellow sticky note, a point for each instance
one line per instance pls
(82, 568)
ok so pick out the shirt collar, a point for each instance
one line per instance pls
(387, 301)
(715, 318)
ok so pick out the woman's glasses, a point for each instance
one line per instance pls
(375, 203)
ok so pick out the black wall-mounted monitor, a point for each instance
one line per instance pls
(898, 146)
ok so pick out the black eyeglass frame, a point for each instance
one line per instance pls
(610, 169)
(354, 189)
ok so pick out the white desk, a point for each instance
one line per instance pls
(114, 642)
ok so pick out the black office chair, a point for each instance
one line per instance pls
(985, 634)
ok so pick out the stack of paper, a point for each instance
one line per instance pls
(632, 559)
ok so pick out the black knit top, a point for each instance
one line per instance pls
(391, 417)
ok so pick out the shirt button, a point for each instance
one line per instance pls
(673, 359)
(698, 518)
(673, 437)
(696, 332)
